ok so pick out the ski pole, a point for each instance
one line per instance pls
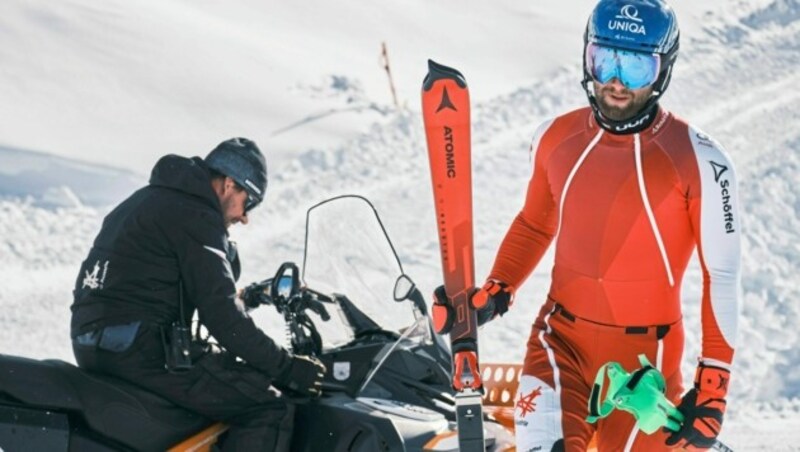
(641, 393)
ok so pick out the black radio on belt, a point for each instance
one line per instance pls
(176, 340)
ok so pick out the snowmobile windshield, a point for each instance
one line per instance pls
(348, 253)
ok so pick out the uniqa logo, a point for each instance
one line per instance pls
(629, 12)
(628, 20)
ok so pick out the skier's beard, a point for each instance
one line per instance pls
(617, 109)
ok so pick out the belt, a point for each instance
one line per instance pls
(660, 330)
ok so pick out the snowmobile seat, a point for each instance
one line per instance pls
(130, 415)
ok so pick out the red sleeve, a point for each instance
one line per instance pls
(534, 227)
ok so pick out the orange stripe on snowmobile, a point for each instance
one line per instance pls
(437, 440)
(202, 441)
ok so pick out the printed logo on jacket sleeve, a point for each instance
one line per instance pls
(725, 194)
(95, 279)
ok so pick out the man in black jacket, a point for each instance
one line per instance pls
(164, 253)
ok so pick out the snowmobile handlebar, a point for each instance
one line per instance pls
(291, 300)
(286, 294)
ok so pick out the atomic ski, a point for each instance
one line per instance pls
(446, 113)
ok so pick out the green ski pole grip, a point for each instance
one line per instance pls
(641, 393)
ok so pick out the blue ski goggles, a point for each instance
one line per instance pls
(633, 69)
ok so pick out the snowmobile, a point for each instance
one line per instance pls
(387, 385)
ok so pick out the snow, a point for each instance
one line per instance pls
(51, 181)
(107, 85)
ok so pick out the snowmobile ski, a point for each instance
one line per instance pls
(446, 114)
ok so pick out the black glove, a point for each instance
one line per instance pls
(703, 408)
(255, 294)
(491, 300)
(303, 376)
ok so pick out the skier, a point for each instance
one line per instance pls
(626, 190)
(164, 253)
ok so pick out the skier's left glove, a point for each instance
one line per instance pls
(490, 301)
(703, 408)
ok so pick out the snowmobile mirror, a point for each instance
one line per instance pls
(403, 287)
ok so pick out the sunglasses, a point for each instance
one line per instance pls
(251, 202)
(633, 69)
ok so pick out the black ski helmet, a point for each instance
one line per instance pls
(633, 25)
(241, 160)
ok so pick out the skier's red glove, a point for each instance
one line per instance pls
(491, 300)
(703, 408)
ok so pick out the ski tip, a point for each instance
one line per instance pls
(438, 71)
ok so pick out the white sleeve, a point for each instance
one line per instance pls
(719, 246)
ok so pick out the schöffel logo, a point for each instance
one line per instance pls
(724, 185)
(628, 20)
(719, 170)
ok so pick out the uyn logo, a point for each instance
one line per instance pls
(630, 125)
(724, 184)
(628, 20)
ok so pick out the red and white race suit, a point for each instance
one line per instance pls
(625, 212)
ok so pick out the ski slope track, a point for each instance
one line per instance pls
(737, 81)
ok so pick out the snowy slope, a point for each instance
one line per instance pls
(735, 79)
(51, 181)
(121, 83)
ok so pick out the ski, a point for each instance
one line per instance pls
(446, 114)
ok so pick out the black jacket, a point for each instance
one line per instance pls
(168, 234)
